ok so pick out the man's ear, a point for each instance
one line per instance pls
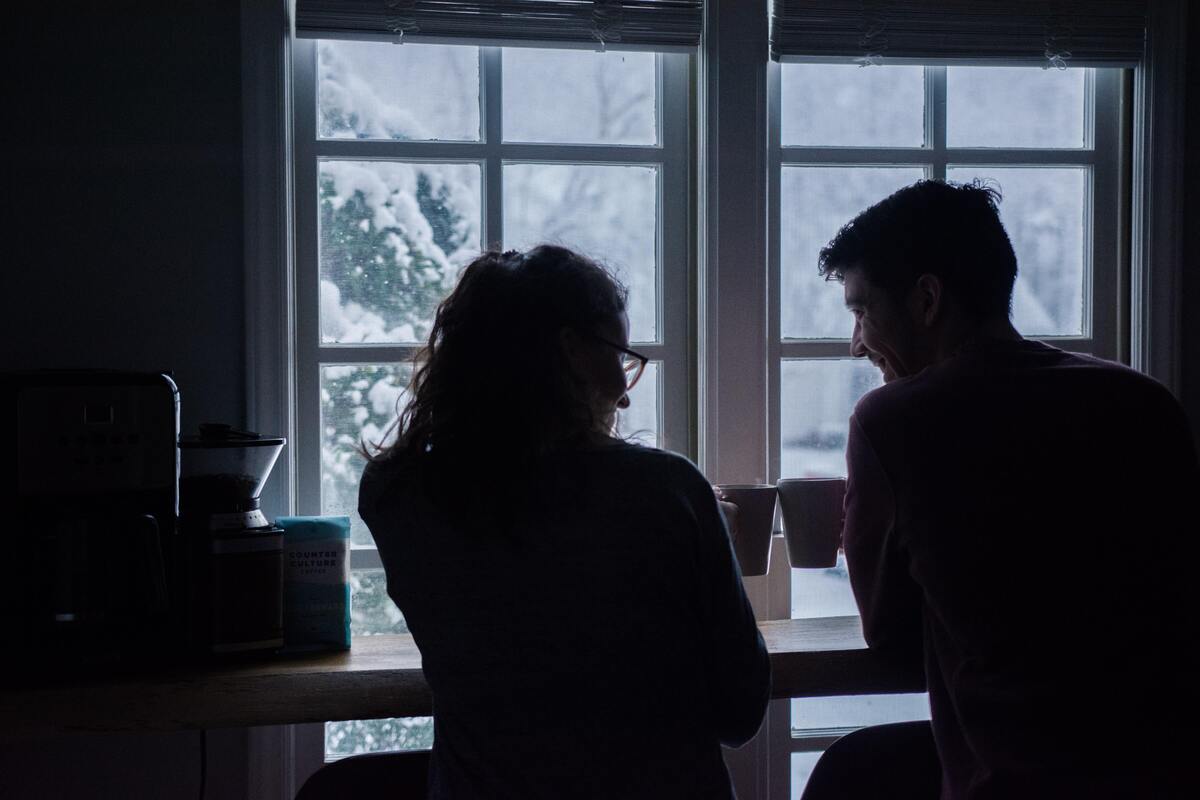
(927, 299)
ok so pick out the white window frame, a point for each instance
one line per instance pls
(731, 132)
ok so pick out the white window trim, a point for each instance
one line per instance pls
(737, 451)
(1157, 191)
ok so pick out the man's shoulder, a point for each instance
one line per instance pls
(1050, 374)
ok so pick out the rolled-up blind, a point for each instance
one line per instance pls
(1031, 32)
(635, 24)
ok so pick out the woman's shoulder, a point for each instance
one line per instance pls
(382, 477)
(662, 465)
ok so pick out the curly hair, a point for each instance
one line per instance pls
(492, 389)
(946, 229)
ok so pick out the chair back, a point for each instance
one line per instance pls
(401, 776)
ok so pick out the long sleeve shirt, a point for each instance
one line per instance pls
(602, 646)
(1023, 520)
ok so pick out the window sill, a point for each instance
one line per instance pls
(381, 677)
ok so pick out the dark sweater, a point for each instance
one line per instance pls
(1024, 520)
(602, 648)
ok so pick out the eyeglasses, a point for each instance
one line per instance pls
(632, 362)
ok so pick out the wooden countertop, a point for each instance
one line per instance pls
(381, 677)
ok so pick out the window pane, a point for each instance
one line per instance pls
(351, 737)
(815, 203)
(823, 592)
(1044, 213)
(802, 767)
(371, 609)
(842, 105)
(816, 400)
(609, 212)
(358, 404)
(641, 421)
(393, 237)
(591, 98)
(823, 713)
(377, 90)
(1014, 107)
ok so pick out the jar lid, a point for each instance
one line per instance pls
(218, 434)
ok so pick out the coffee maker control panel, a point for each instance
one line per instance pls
(95, 438)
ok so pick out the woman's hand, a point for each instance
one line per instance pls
(730, 510)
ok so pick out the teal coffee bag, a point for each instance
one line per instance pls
(316, 583)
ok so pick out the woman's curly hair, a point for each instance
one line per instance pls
(492, 390)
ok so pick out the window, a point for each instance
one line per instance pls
(845, 136)
(400, 183)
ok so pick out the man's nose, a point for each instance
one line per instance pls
(623, 403)
(856, 346)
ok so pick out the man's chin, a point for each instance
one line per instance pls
(886, 371)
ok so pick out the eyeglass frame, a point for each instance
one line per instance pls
(643, 360)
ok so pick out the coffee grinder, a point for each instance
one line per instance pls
(235, 554)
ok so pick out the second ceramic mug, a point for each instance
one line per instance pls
(812, 519)
(751, 531)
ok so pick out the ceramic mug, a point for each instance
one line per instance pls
(751, 527)
(812, 519)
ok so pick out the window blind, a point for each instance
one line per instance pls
(621, 24)
(1020, 32)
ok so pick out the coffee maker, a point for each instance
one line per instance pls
(89, 482)
(234, 553)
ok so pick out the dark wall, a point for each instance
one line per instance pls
(122, 248)
(123, 199)
(1190, 388)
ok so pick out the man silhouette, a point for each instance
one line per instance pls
(1019, 518)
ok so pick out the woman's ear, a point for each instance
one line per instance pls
(927, 298)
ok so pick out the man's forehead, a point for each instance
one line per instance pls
(855, 287)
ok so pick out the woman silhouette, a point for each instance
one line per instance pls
(580, 615)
